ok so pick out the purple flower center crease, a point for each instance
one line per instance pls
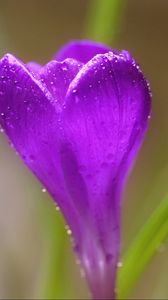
(77, 123)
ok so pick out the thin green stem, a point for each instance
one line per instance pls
(146, 244)
(103, 20)
(51, 285)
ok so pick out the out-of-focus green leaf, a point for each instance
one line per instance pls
(103, 19)
(147, 242)
(51, 285)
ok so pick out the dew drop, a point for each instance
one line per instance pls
(43, 190)
(2, 115)
(18, 88)
(12, 146)
(103, 66)
(57, 208)
(68, 230)
(119, 264)
(32, 157)
(64, 68)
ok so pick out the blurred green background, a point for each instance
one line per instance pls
(34, 30)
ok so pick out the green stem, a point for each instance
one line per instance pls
(146, 244)
(53, 265)
(103, 20)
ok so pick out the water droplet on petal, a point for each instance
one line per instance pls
(57, 208)
(119, 264)
(68, 230)
(19, 89)
(12, 146)
(74, 91)
(2, 115)
(44, 190)
(32, 157)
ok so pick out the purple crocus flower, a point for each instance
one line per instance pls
(77, 123)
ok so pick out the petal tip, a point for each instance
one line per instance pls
(8, 57)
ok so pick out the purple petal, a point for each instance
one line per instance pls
(78, 128)
(56, 76)
(107, 108)
(30, 117)
(81, 50)
(33, 67)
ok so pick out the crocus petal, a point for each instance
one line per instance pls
(81, 50)
(30, 117)
(56, 77)
(107, 108)
(78, 127)
(33, 67)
